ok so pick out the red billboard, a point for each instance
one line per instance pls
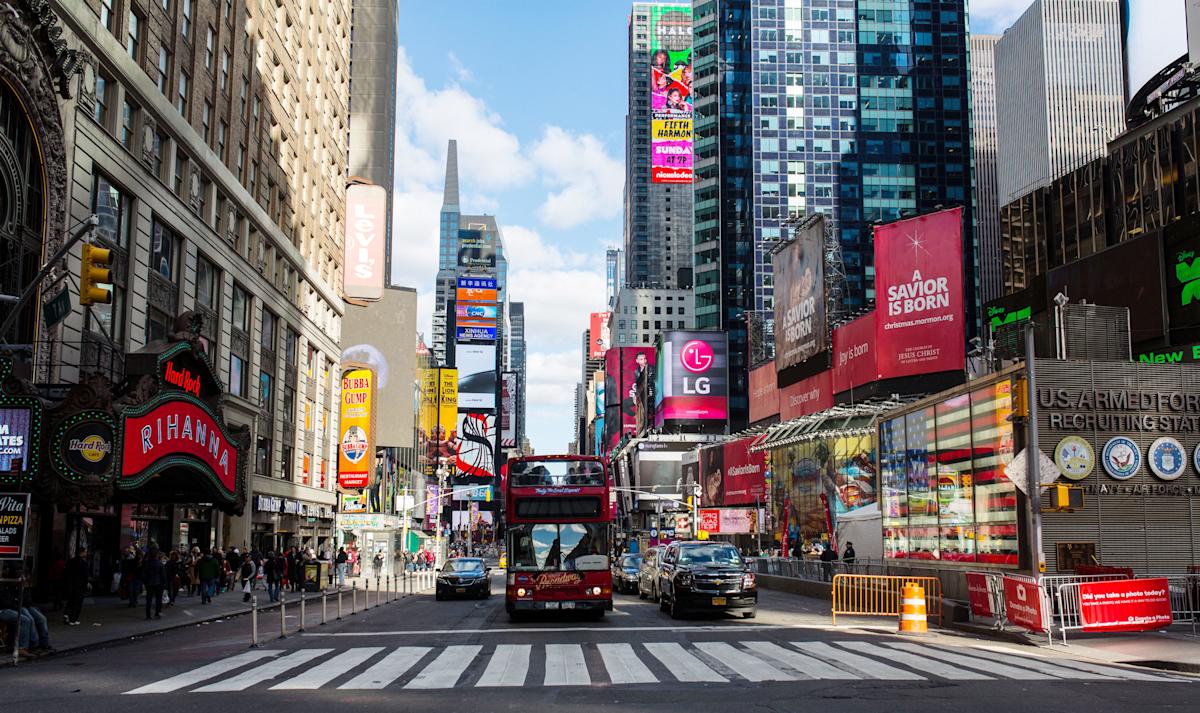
(806, 396)
(598, 338)
(764, 392)
(174, 428)
(1125, 605)
(1023, 603)
(744, 473)
(854, 354)
(623, 366)
(691, 381)
(919, 293)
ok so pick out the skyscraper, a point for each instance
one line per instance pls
(983, 150)
(858, 110)
(658, 203)
(614, 276)
(518, 352)
(1059, 91)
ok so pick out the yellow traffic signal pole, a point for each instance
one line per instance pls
(88, 225)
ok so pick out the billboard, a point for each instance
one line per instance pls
(475, 446)
(366, 233)
(508, 409)
(799, 269)
(599, 339)
(623, 367)
(671, 94)
(729, 521)
(1155, 34)
(764, 392)
(806, 396)
(476, 289)
(475, 314)
(476, 376)
(356, 444)
(16, 428)
(383, 338)
(476, 251)
(731, 475)
(692, 371)
(854, 354)
(919, 320)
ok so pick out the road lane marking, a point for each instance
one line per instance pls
(731, 626)
(199, 675)
(743, 664)
(327, 670)
(1114, 672)
(509, 664)
(446, 668)
(992, 667)
(683, 665)
(619, 660)
(265, 672)
(1040, 664)
(868, 667)
(809, 666)
(565, 666)
(387, 669)
(919, 662)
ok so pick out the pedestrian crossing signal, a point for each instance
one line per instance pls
(94, 271)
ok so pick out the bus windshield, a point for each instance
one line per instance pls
(551, 547)
(551, 473)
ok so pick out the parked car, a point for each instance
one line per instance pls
(463, 577)
(625, 572)
(648, 574)
(706, 576)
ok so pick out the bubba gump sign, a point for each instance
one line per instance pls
(177, 429)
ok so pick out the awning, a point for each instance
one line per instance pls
(853, 420)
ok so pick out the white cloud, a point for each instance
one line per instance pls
(995, 16)
(586, 183)
(526, 249)
(461, 73)
(415, 237)
(550, 399)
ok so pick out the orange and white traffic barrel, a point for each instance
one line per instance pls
(912, 609)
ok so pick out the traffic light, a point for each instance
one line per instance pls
(94, 271)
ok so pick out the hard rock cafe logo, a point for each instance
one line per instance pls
(551, 580)
(92, 448)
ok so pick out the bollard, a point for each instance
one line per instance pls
(302, 598)
(324, 596)
(377, 591)
(254, 622)
(912, 609)
(366, 593)
(282, 617)
(339, 617)
(353, 599)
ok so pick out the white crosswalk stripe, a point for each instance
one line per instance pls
(510, 665)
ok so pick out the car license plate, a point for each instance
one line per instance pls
(718, 601)
(567, 605)
(460, 590)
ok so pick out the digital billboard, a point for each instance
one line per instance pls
(476, 251)
(384, 339)
(476, 365)
(475, 314)
(731, 475)
(476, 289)
(1155, 34)
(919, 317)
(799, 269)
(363, 246)
(693, 378)
(475, 446)
(356, 445)
(671, 93)
(623, 367)
(764, 392)
(854, 354)
(16, 426)
(508, 409)
(599, 339)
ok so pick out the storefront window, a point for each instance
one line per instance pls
(894, 495)
(995, 495)
(956, 511)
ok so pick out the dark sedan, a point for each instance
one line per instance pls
(625, 572)
(464, 577)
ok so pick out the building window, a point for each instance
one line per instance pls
(210, 48)
(237, 375)
(262, 458)
(240, 310)
(206, 120)
(178, 179)
(133, 41)
(290, 347)
(241, 161)
(289, 462)
(164, 252)
(208, 284)
(114, 209)
(266, 391)
(267, 335)
(164, 68)
(289, 402)
(186, 29)
(253, 177)
(225, 62)
(107, 18)
(100, 111)
(129, 113)
(158, 154)
(222, 131)
(182, 102)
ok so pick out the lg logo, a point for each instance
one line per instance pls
(697, 357)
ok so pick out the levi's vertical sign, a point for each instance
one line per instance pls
(366, 231)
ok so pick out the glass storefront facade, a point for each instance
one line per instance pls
(944, 495)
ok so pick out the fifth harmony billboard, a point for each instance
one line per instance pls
(671, 93)
(799, 269)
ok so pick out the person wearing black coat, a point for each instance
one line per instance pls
(154, 579)
(246, 576)
(75, 579)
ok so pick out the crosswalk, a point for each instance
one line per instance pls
(613, 664)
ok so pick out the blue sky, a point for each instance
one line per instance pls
(534, 92)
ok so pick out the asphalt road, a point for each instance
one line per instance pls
(422, 655)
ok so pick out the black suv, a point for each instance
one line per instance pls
(709, 576)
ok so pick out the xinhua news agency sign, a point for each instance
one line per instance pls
(14, 518)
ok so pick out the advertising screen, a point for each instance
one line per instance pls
(1182, 255)
(799, 269)
(671, 93)
(476, 251)
(476, 376)
(15, 424)
(476, 289)
(854, 354)
(1155, 35)
(731, 475)
(508, 409)
(693, 377)
(475, 314)
(729, 521)
(764, 392)
(1128, 274)
(919, 320)
(623, 367)
(356, 444)
(366, 233)
(475, 447)
(598, 336)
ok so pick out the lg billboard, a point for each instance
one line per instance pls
(692, 379)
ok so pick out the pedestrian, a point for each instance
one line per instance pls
(174, 567)
(75, 579)
(246, 576)
(20, 623)
(377, 565)
(58, 591)
(341, 560)
(272, 575)
(131, 566)
(848, 556)
(208, 572)
(828, 557)
(154, 578)
(39, 640)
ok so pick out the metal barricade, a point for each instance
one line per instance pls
(877, 595)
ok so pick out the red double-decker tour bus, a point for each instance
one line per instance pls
(560, 512)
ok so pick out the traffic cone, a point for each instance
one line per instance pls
(912, 609)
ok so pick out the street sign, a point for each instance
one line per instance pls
(58, 307)
(702, 535)
(14, 516)
(654, 532)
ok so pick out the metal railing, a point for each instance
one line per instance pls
(881, 595)
(1183, 592)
